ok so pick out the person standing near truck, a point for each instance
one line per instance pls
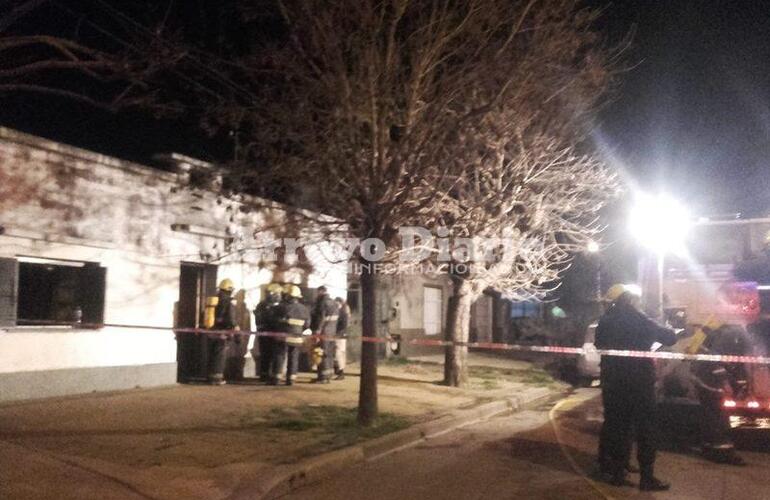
(628, 386)
(712, 384)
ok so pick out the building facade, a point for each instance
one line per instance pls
(100, 258)
(414, 307)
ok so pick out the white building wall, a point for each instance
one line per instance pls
(407, 300)
(79, 205)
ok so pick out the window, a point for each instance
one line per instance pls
(51, 292)
(432, 310)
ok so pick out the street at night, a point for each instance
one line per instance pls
(384, 249)
(548, 452)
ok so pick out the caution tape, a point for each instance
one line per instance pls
(574, 351)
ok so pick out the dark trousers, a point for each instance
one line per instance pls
(235, 362)
(292, 352)
(629, 415)
(715, 429)
(326, 366)
(216, 358)
(605, 460)
(265, 357)
(277, 359)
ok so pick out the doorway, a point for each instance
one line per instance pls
(196, 282)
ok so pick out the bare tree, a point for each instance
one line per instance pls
(525, 187)
(101, 59)
(462, 114)
(384, 113)
(526, 216)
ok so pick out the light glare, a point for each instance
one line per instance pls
(660, 223)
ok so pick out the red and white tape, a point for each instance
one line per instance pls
(575, 351)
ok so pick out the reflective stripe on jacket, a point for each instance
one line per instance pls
(324, 317)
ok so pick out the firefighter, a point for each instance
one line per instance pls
(628, 386)
(224, 319)
(266, 317)
(295, 319)
(324, 322)
(341, 340)
(238, 344)
(712, 383)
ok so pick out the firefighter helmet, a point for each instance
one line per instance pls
(226, 285)
(618, 289)
(274, 288)
(615, 292)
(292, 291)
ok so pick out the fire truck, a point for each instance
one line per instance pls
(718, 291)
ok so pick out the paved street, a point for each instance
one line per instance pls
(543, 452)
(204, 442)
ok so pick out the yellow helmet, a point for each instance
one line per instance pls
(619, 289)
(226, 285)
(292, 291)
(274, 288)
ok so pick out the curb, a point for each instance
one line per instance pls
(314, 469)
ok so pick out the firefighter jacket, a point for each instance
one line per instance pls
(324, 317)
(295, 318)
(267, 315)
(224, 313)
(624, 328)
(342, 321)
(709, 377)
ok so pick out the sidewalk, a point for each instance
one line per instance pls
(218, 442)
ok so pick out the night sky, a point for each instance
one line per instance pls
(691, 114)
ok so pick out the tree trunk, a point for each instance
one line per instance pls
(458, 324)
(367, 392)
(449, 353)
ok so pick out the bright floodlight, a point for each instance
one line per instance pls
(592, 246)
(660, 223)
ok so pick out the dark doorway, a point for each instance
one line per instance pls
(196, 282)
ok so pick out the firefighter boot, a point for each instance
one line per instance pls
(649, 482)
(653, 484)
